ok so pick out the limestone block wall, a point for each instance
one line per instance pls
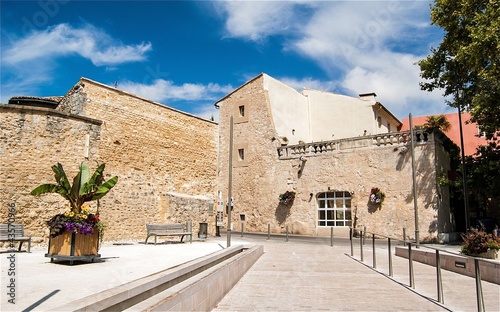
(153, 149)
(32, 140)
(261, 176)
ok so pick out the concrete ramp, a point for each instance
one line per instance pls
(195, 285)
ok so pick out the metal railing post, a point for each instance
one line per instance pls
(331, 236)
(410, 263)
(350, 238)
(374, 256)
(286, 240)
(361, 245)
(389, 248)
(439, 279)
(364, 234)
(479, 289)
(268, 231)
(189, 227)
(404, 236)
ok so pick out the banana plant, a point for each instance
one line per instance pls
(83, 189)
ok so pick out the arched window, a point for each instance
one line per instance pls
(334, 209)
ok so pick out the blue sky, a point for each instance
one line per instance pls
(189, 54)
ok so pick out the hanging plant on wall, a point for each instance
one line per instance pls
(287, 197)
(376, 196)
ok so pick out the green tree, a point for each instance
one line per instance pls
(468, 58)
(437, 122)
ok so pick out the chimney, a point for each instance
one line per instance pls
(368, 96)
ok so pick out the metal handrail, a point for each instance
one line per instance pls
(409, 243)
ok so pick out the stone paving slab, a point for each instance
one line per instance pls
(305, 276)
(302, 274)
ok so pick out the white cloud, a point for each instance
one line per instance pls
(63, 39)
(207, 111)
(163, 90)
(364, 46)
(255, 20)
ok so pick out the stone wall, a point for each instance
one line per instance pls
(153, 149)
(258, 180)
(33, 140)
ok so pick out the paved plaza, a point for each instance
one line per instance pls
(303, 274)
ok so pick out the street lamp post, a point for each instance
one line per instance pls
(464, 173)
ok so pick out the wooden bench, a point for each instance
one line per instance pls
(14, 233)
(174, 229)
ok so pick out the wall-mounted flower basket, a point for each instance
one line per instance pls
(376, 196)
(287, 197)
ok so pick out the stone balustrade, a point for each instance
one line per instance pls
(370, 141)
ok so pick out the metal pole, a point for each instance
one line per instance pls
(374, 256)
(350, 238)
(364, 234)
(286, 240)
(404, 237)
(390, 255)
(268, 231)
(230, 182)
(479, 289)
(361, 245)
(331, 236)
(189, 227)
(410, 263)
(439, 279)
(415, 206)
(464, 173)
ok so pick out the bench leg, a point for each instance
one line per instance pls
(146, 241)
(29, 245)
(155, 238)
(182, 237)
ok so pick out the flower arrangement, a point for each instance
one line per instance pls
(287, 197)
(85, 188)
(478, 241)
(82, 222)
(376, 195)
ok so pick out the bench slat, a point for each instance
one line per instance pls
(172, 229)
(18, 234)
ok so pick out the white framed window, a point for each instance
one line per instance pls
(334, 209)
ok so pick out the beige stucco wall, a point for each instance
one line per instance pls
(262, 176)
(157, 152)
(288, 105)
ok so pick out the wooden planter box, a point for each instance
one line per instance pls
(71, 246)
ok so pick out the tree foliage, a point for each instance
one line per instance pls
(83, 189)
(468, 58)
(437, 122)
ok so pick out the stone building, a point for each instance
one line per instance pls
(166, 160)
(330, 151)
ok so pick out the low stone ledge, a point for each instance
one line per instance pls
(490, 270)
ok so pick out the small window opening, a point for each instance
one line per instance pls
(241, 154)
(242, 110)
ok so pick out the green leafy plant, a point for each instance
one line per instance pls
(376, 195)
(287, 197)
(478, 241)
(85, 188)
